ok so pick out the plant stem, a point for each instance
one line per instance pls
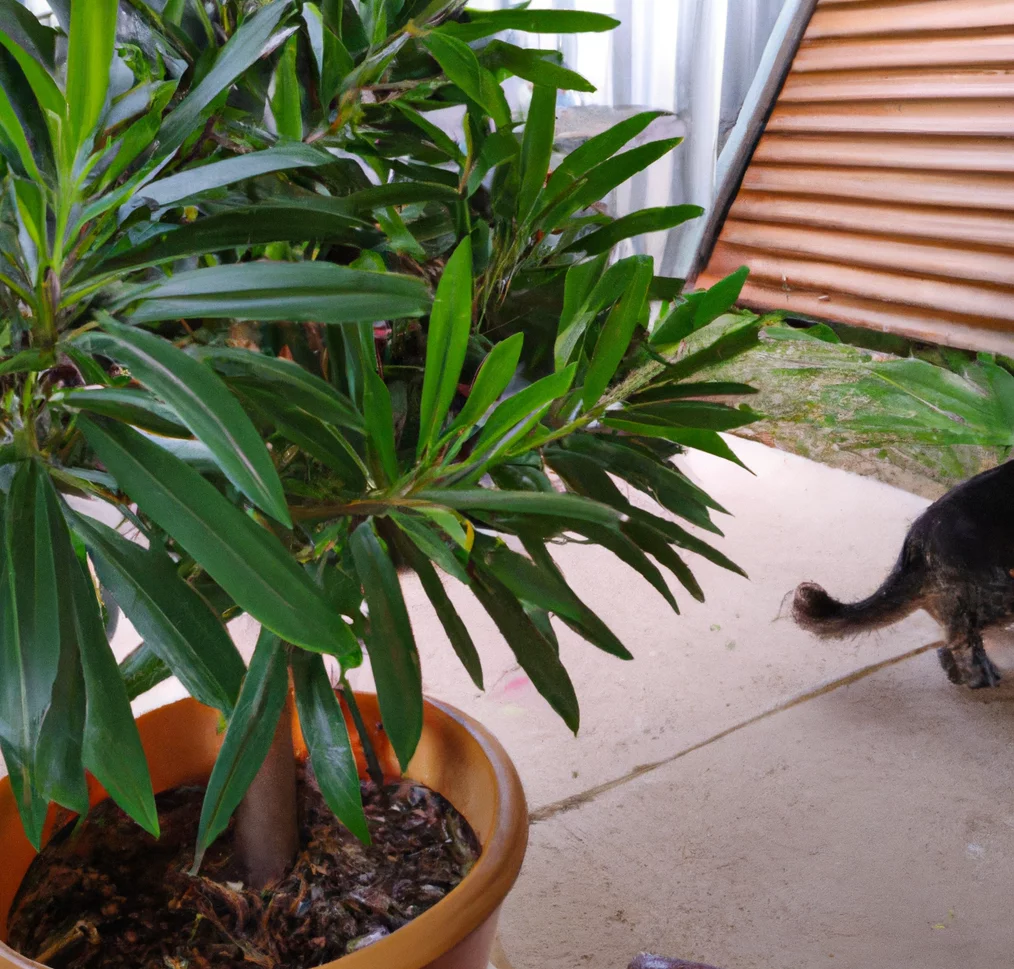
(372, 764)
(267, 831)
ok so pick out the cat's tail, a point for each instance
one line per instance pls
(899, 595)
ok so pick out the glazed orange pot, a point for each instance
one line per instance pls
(456, 757)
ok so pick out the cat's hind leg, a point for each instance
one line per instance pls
(964, 658)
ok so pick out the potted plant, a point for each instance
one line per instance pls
(301, 338)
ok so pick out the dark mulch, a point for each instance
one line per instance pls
(104, 895)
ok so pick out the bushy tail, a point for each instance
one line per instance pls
(815, 610)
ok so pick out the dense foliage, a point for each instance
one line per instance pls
(255, 297)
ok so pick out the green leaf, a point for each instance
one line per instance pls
(321, 441)
(26, 361)
(437, 136)
(454, 626)
(536, 148)
(327, 739)
(242, 228)
(247, 741)
(498, 148)
(703, 388)
(446, 344)
(286, 379)
(483, 23)
(43, 86)
(599, 182)
(241, 51)
(314, 21)
(617, 332)
(10, 125)
(459, 63)
(736, 340)
(111, 748)
(338, 65)
(433, 543)
(30, 621)
(127, 404)
(536, 66)
(286, 106)
(626, 551)
(142, 670)
(522, 502)
(246, 560)
(170, 616)
(683, 539)
(539, 582)
(89, 56)
(24, 27)
(701, 440)
(516, 415)
(699, 310)
(391, 645)
(307, 292)
(380, 426)
(535, 653)
(690, 413)
(490, 382)
(635, 224)
(585, 157)
(219, 174)
(204, 404)
(658, 547)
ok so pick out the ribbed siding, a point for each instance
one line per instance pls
(881, 193)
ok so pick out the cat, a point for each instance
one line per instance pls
(957, 563)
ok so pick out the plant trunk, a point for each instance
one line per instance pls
(267, 828)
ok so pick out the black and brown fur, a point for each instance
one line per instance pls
(957, 563)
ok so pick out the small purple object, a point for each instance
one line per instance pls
(645, 961)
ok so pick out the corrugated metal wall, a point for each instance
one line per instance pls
(881, 192)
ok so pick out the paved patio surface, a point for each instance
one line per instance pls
(741, 793)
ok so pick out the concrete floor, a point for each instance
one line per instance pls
(742, 793)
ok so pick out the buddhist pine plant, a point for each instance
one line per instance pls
(300, 336)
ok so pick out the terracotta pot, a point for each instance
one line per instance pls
(456, 756)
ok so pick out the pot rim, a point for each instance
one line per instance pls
(471, 903)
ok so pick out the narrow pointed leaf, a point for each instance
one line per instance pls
(543, 586)
(246, 560)
(89, 56)
(535, 653)
(111, 749)
(128, 404)
(463, 69)
(286, 379)
(174, 621)
(239, 53)
(196, 181)
(380, 426)
(286, 104)
(204, 404)
(454, 626)
(30, 624)
(308, 292)
(142, 670)
(536, 148)
(483, 23)
(446, 343)
(394, 658)
(522, 502)
(604, 145)
(490, 382)
(635, 224)
(617, 332)
(327, 739)
(656, 546)
(247, 741)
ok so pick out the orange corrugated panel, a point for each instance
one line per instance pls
(881, 193)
